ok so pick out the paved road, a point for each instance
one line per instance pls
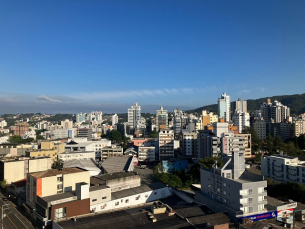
(13, 218)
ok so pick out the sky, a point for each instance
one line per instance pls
(70, 56)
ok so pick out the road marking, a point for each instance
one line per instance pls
(9, 219)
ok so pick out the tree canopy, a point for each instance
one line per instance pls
(18, 139)
(58, 164)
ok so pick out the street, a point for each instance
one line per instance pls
(13, 219)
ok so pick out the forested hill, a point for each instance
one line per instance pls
(295, 102)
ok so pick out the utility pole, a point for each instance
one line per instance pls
(2, 208)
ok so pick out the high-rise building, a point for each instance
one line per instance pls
(274, 112)
(224, 107)
(260, 128)
(67, 124)
(188, 143)
(114, 119)
(134, 116)
(177, 121)
(161, 119)
(239, 105)
(241, 120)
(80, 117)
(166, 144)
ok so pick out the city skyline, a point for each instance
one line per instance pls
(72, 56)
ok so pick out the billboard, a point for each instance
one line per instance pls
(285, 215)
(252, 218)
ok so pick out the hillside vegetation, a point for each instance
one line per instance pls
(295, 102)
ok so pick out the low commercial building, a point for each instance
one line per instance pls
(47, 149)
(109, 151)
(80, 155)
(117, 181)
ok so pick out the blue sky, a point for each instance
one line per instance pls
(69, 56)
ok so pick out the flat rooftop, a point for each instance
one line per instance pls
(101, 179)
(283, 156)
(55, 172)
(136, 190)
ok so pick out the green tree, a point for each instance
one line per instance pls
(58, 164)
(3, 184)
(16, 139)
(115, 136)
(154, 134)
(163, 177)
(175, 181)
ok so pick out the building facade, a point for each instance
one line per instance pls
(224, 107)
(166, 144)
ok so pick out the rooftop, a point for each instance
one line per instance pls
(101, 179)
(116, 164)
(136, 190)
(58, 196)
(55, 172)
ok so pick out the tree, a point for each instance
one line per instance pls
(58, 164)
(115, 136)
(16, 139)
(175, 181)
(3, 184)
(154, 134)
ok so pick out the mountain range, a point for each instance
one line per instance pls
(296, 103)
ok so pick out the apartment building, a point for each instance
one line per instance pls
(188, 143)
(47, 149)
(283, 168)
(161, 119)
(232, 189)
(260, 128)
(166, 144)
(20, 128)
(241, 120)
(224, 107)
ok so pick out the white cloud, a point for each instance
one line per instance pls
(48, 99)
(134, 93)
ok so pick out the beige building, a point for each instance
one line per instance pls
(67, 124)
(53, 181)
(48, 149)
(15, 169)
(247, 144)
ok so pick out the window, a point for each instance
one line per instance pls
(127, 200)
(94, 200)
(59, 179)
(60, 213)
(146, 195)
(117, 203)
(155, 193)
(104, 197)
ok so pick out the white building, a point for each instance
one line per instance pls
(133, 197)
(114, 119)
(59, 134)
(283, 168)
(134, 116)
(3, 123)
(241, 120)
(224, 107)
(80, 155)
(232, 189)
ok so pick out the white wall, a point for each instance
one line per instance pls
(133, 200)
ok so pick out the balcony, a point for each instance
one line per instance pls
(264, 193)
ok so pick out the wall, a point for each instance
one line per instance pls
(48, 186)
(13, 171)
(69, 180)
(98, 195)
(133, 200)
(75, 208)
(39, 164)
(124, 183)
